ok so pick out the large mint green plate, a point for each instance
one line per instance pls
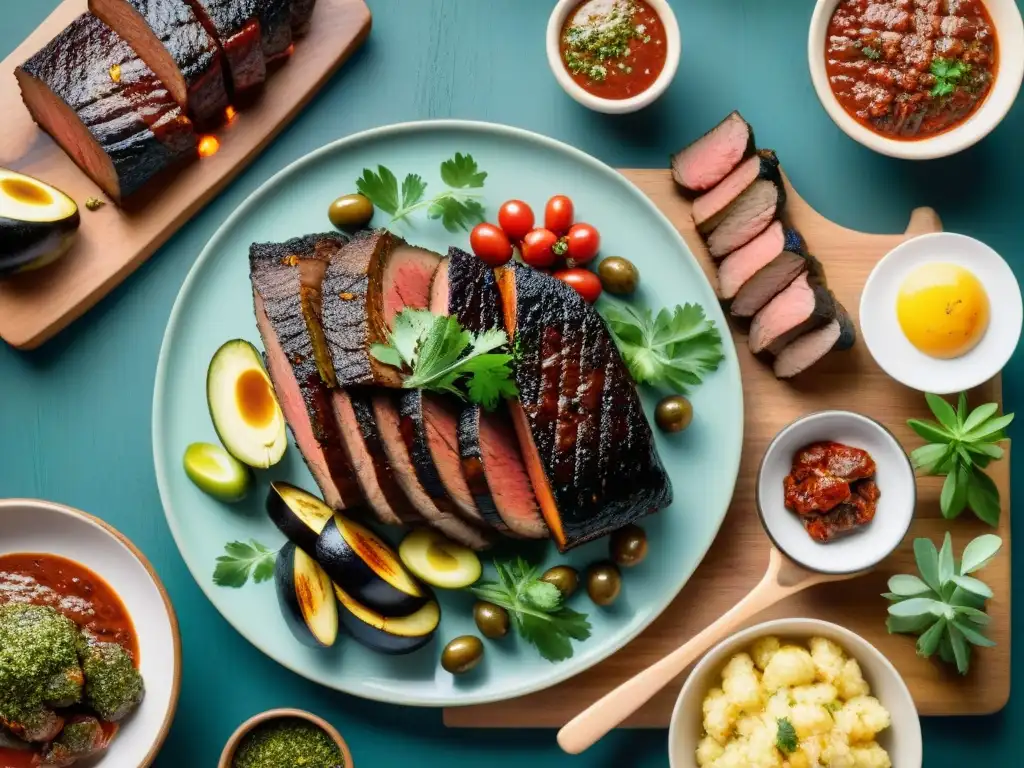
(215, 304)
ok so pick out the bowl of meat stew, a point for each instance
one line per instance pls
(917, 80)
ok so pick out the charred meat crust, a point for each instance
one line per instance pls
(235, 24)
(473, 468)
(276, 27)
(705, 143)
(587, 427)
(473, 296)
(133, 121)
(286, 276)
(302, 10)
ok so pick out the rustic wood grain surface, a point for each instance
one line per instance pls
(739, 555)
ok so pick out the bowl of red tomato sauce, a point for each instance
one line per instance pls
(613, 56)
(916, 79)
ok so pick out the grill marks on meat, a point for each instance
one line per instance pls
(837, 335)
(707, 161)
(121, 132)
(588, 447)
(747, 217)
(170, 38)
(805, 305)
(235, 24)
(286, 279)
(710, 208)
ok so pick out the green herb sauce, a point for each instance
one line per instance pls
(288, 743)
(591, 47)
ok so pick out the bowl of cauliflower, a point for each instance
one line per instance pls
(795, 693)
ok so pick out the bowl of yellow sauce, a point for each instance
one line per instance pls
(941, 313)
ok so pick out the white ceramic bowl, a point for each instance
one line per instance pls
(898, 357)
(861, 549)
(29, 525)
(613, 106)
(902, 740)
(1006, 18)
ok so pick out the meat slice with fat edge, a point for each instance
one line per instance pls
(588, 447)
(837, 335)
(741, 265)
(803, 306)
(286, 279)
(711, 207)
(749, 215)
(235, 24)
(704, 163)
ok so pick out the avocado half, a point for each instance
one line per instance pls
(37, 223)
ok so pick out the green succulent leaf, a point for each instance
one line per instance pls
(917, 606)
(908, 625)
(972, 635)
(907, 585)
(961, 411)
(943, 412)
(947, 565)
(928, 457)
(973, 585)
(930, 431)
(983, 498)
(979, 416)
(973, 615)
(927, 558)
(953, 498)
(928, 643)
(989, 429)
(961, 651)
(979, 553)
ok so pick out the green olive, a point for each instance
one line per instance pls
(217, 472)
(673, 414)
(350, 212)
(491, 619)
(462, 654)
(564, 577)
(618, 275)
(628, 546)
(604, 582)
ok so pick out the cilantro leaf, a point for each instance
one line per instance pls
(948, 73)
(785, 737)
(461, 171)
(241, 559)
(413, 188)
(380, 188)
(456, 213)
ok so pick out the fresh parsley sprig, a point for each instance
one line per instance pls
(948, 74)
(674, 349)
(961, 446)
(536, 607)
(439, 354)
(457, 208)
(242, 559)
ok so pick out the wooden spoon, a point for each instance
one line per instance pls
(783, 578)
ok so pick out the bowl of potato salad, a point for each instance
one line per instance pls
(795, 693)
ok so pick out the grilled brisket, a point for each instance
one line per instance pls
(710, 208)
(713, 156)
(235, 24)
(302, 10)
(108, 111)
(749, 215)
(799, 355)
(170, 38)
(286, 279)
(275, 27)
(588, 446)
(803, 306)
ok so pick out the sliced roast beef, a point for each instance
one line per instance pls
(286, 279)
(713, 156)
(710, 208)
(467, 289)
(108, 111)
(302, 10)
(368, 282)
(588, 447)
(799, 355)
(235, 24)
(741, 265)
(769, 282)
(170, 38)
(749, 215)
(275, 27)
(805, 305)
(437, 510)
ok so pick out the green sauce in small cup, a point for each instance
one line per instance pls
(288, 742)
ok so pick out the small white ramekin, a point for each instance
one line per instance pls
(614, 106)
(1006, 18)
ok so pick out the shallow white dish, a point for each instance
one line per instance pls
(902, 740)
(1006, 18)
(613, 106)
(861, 549)
(30, 525)
(892, 351)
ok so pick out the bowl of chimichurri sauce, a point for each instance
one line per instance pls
(286, 738)
(613, 56)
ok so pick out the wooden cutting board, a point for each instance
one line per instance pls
(112, 242)
(739, 556)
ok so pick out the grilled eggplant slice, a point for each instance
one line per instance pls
(37, 223)
(391, 635)
(307, 597)
(299, 515)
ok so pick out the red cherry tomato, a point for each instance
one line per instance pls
(516, 218)
(586, 283)
(558, 214)
(538, 248)
(582, 243)
(490, 244)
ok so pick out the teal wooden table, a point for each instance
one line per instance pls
(75, 415)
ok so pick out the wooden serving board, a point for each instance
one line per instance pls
(739, 556)
(113, 242)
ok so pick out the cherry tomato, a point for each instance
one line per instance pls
(490, 244)
(516, 218)
(586, 283)
(582, 243)
(539, 246)
(558, 214)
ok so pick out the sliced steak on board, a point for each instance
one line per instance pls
(837, 335)
(368, 282)
(121, 132)
(275, 27)
(803, 306)
(170, 38)
(749, 215)
(741, 265)
(710, 208)
(704, 163)
(235, 24)
(588, 447)
(492, 462)
(286, 279)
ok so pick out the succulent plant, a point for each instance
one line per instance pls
(945, 606)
